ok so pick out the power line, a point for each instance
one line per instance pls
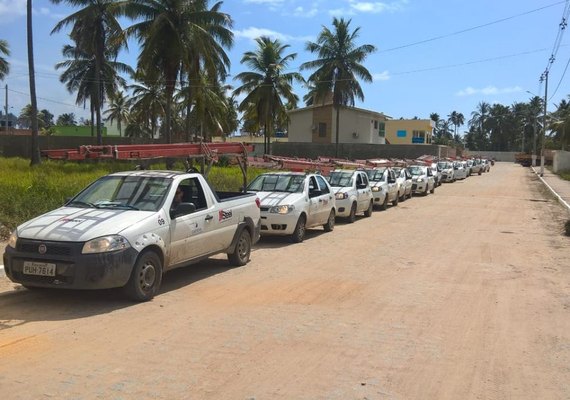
(470, 29)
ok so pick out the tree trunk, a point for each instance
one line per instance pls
(337, 108)
(35, 158)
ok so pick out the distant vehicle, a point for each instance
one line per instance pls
(293, 202)
(486, 165)
(422, 179)
(447, 171)
(459, 170)
(404, 179)
(353, 193)
(437, 176)
(384, 186)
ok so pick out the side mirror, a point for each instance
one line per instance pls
(182, 209)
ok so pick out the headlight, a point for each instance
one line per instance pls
(281, 209)
(13, 239)
(341, 196)
(376, 189)
(105, 244)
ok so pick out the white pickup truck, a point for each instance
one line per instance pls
(384, 186)
(127, 229)
(292, 202)
(353, 193)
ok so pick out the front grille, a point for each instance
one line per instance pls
(51, 249)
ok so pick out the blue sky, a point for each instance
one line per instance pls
(487, 50)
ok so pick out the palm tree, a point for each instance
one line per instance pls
(147, 104)
(96, 33)
(338, 66)
(118, 110)
(67, 119)
(177, 34)
(35, 158)
(561, 122)
(4, 65)
(81, 73)
(267, 89)
(457, 119)
(478, 122)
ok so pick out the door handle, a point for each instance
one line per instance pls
(208, 217)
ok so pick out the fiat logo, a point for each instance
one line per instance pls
(42, 249)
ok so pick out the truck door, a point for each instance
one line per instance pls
(194, 235)
(315, 201)
(325, 199)
(362, 189)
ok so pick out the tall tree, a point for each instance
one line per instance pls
(338, 66)
(267, 88)
(4, 64)
(147, 106)
(35, 158)
(96, 32)
(118, 110)
(67, 119)
(478, 121)
(457, 119)
(173, 34)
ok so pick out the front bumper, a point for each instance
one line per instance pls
(278, 224)
(447, 178)
(419, 187)
(343, 207)
(73, 269)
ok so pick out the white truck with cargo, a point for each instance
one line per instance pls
(292, 202)
(128, 228)
(384, 186)
(352, 192)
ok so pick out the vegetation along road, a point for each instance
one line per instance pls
(464, 294)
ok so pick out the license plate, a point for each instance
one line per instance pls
(39, 268)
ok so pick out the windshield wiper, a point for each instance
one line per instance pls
(116, 205)
(81, 204)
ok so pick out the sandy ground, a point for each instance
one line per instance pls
(464, 294)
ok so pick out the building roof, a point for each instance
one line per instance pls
(346, 107)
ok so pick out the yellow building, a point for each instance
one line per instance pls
(409, 131)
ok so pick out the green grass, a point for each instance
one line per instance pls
(565, 175)
(26, 192)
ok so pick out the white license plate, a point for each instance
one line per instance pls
(39, 268)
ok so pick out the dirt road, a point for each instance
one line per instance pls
(442, 297)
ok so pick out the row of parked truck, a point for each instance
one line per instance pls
(128, 228)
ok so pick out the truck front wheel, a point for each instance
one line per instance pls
(299, 232)
(240, 255)
(146, 277)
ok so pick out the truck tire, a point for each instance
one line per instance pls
(384, 205)
(395, 202)
(299, 233)
(329, 226)
(146, 277)
(240, 256)
(403, 196)
(352, 215)
(368, 212)
(432, 191)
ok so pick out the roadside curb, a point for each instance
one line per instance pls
(560, 199)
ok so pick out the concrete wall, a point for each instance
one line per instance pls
(360, 151)
(20, 146)
(561, 161)
(357, 126)
(497, 155)
(300, 127)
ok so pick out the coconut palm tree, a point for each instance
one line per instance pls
(177, 34)
(478, 121)
(147, 104)
(96, 32)
(457, 119)
(4, 64)
(118, 110)
(338, 66)
(80, 74)
(267, 88)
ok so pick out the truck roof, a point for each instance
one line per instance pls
(149, 173)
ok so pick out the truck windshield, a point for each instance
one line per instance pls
(124, 192)
(415, 170)
(337, 178)
(376, 174)
(277, 183)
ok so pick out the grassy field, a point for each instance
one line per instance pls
(26, 192)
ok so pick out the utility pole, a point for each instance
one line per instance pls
(545, 76)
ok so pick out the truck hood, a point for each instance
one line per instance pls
(378, 184)
(270, 199)
(74, 224)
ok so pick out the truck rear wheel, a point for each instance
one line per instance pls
(329, 226)
(299, 233)
(240, 255)
(146, 277)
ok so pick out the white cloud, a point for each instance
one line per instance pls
(253, 33)
(369, 7)
(382, 76)
(306, 13)
(11, 9)
(488, 91)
